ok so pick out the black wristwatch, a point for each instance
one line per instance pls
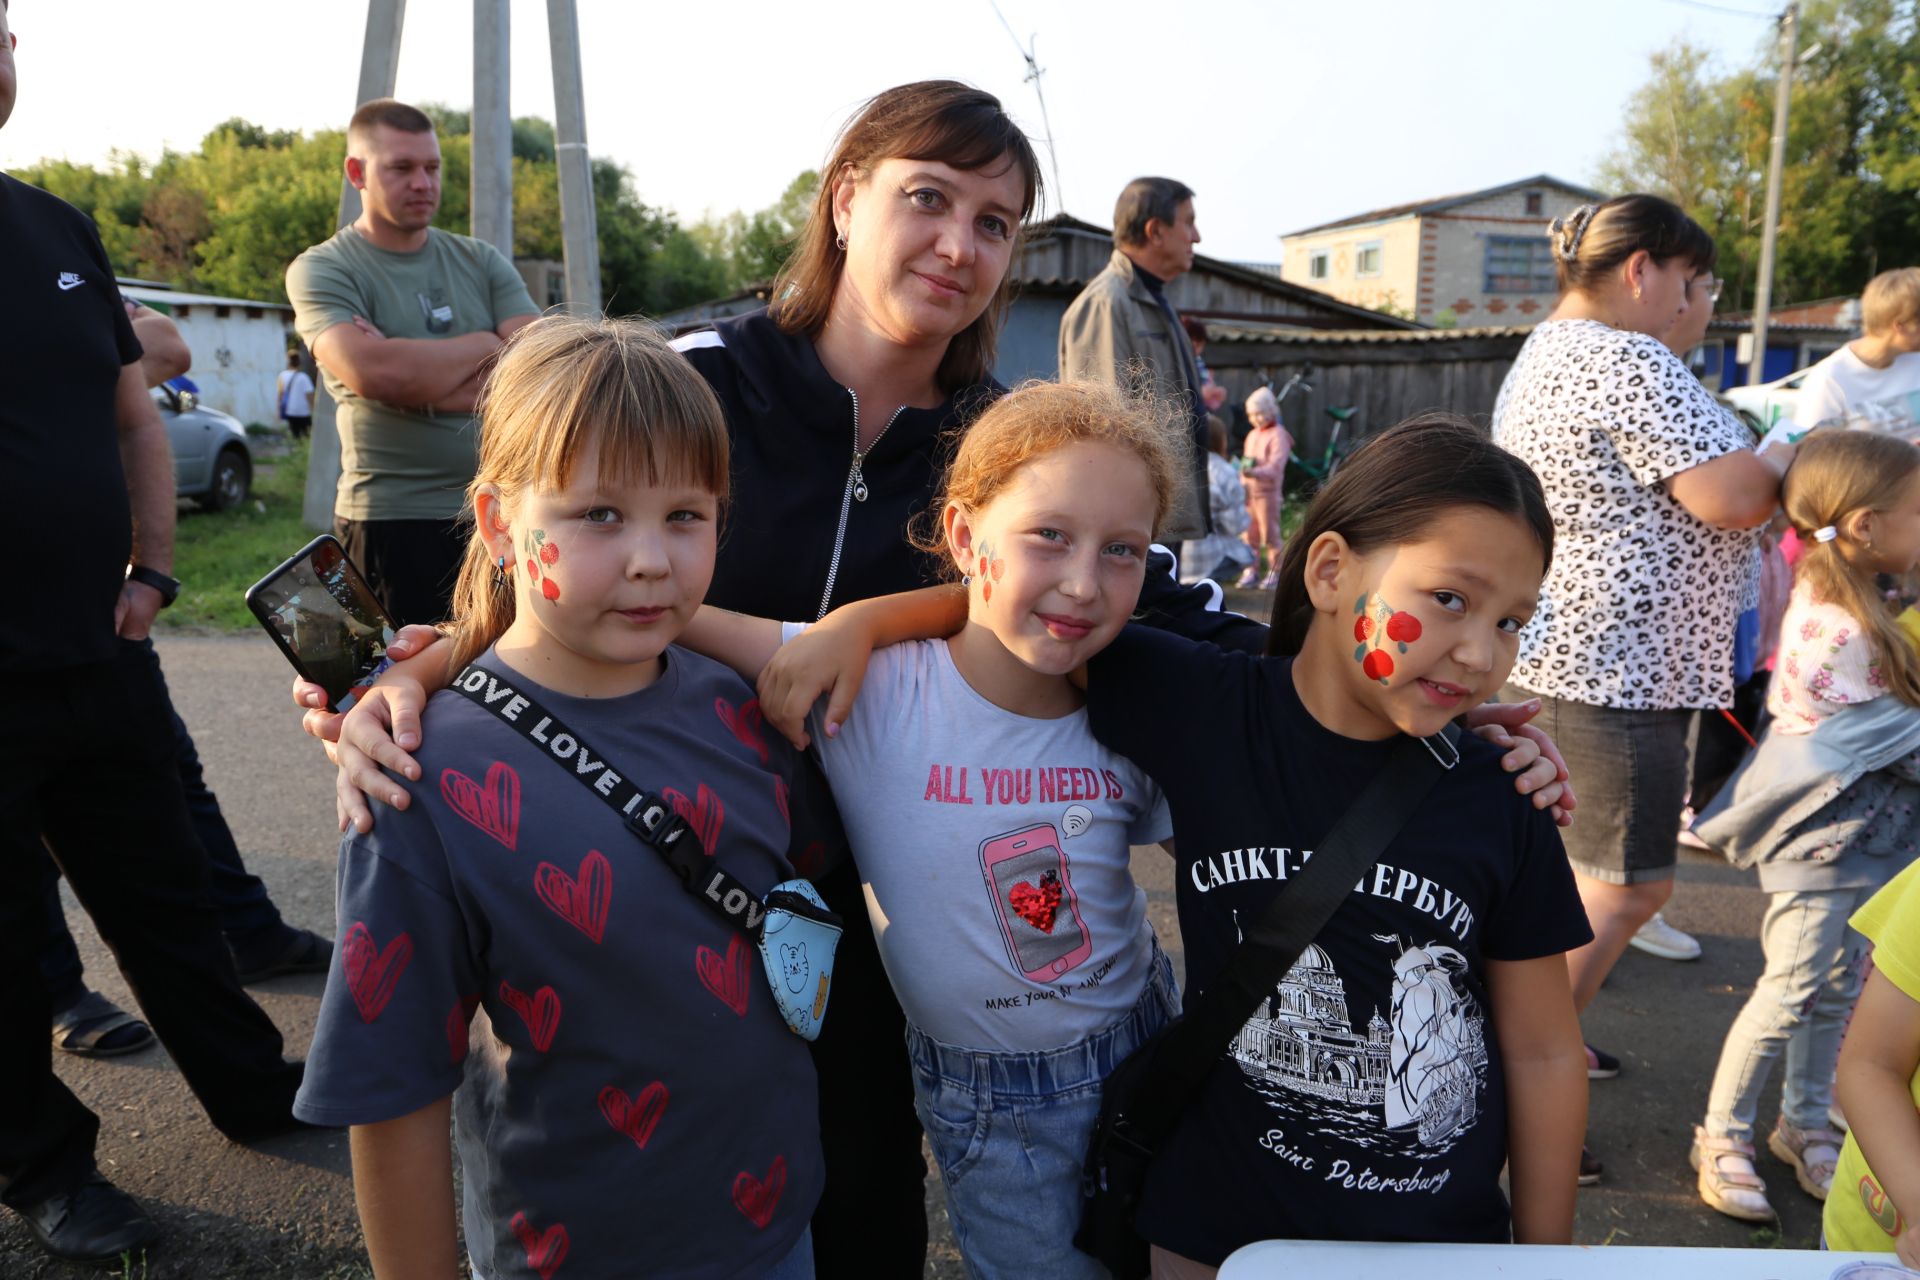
(169, 588)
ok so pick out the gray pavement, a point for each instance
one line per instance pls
(285, 1208)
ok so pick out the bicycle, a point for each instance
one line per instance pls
(1304, 475)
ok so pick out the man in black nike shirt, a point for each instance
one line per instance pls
(90, 522)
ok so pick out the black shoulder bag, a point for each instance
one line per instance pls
(1147, 1093)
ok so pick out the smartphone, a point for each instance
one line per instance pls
(322, 614)
(1033, 897)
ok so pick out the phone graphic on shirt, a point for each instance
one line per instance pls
(1034, 900)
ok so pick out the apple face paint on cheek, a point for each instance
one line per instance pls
(541, 552)
(1378, 625)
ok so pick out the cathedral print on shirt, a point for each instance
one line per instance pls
(1408, 1082)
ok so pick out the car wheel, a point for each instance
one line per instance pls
(232, 480)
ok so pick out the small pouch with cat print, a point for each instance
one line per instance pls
(797, 941)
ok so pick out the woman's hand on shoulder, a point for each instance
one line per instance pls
(376, 732)
(1542, 773)
(825, 660)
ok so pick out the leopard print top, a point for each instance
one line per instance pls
(1638, 610)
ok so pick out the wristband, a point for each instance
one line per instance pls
(169, 588)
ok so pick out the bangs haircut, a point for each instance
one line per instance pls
(565, 385)
(946, 121)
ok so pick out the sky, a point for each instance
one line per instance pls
(1279, 114)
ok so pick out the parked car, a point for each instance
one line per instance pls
(1767, 403)
(212, 461)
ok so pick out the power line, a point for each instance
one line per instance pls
(1720, 8)
(1034, 72)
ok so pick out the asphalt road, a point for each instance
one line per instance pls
(285, 1208)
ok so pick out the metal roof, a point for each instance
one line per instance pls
(1220, 331)
(143, 292)
(1448, 202)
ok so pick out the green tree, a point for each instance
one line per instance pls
(1852, 173)
(754, 246)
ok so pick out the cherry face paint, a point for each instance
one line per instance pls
(542, 555)
(1378, 631)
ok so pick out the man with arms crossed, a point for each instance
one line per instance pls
(403, 320)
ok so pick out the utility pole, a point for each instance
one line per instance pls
(1769, 231)
(379, 68)
(577, 231)
(492, 215)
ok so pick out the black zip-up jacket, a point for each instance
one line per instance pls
(786, 549)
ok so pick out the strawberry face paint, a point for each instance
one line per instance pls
(1380, 630)
(987, 570)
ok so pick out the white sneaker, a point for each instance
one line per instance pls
(1658, 938)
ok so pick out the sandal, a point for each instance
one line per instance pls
(95, 1027)
(1813, 1153)
(1728, 1180)
(1601, 1065)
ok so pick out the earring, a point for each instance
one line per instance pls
(840, 241)
(500, 572)
(966, 579)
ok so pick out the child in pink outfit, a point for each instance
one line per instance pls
(1267, 449)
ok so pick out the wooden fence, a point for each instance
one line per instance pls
(1385, 376)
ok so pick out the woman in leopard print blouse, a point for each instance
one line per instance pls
(1656, 497)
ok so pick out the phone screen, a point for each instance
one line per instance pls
(325, 619)
(1047, 931)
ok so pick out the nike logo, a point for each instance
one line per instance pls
(70, 280)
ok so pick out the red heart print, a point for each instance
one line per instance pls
(706, 817)
(758, 1199)
(811, 860)
(780, 798)
(638, 1116)
(745, 724)
(540, 1011)
(1038, 907)
(457, 1019)
(581, 900)
(494, 807)
(546, 1250)
(725, 978)
(372, 970)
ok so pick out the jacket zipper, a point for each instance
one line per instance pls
(856, 492)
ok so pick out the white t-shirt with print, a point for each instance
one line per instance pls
(1845, 389)
(993, 848)
(1639, 606)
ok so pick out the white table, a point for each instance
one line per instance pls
(1330, 1260)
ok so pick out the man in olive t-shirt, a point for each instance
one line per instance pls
(403, 320)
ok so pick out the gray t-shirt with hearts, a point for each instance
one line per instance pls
(630, 1102)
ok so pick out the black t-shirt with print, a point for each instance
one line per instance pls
(64, 337)
(1365, 1099)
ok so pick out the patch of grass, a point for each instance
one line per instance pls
(217, 555)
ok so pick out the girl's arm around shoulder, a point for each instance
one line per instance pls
(1545, 1065)
(403, 1187)
(830, 658)
(1878, 1062)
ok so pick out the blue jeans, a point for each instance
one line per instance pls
(237, 894)
(1798, 1009)
(1009, 1132)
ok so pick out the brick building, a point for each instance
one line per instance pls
(1474, 259)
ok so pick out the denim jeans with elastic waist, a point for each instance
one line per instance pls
(1009, 1132)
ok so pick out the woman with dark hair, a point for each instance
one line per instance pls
(1656, 497)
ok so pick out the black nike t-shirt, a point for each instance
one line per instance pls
(64, 337)
(1364, 1100)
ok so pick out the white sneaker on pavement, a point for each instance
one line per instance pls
(1658, 938)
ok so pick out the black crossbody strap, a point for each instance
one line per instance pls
(648, 816)
(1271, 943)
